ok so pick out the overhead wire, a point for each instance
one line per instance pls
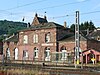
(48, 8)
(85, 13)
(19, 6)
(62, 5)
(6, 10)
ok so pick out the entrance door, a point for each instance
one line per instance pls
(90, 56)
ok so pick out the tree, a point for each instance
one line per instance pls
(10, 27)
(84, 26)
(72, 27)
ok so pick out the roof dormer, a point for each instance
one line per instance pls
(38, 20)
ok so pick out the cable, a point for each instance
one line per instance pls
(90, 12)
(10, 13)
(74, 14)
(26, 5)
(42, 8)
(62, 5)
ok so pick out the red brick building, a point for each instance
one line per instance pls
(43, 38)
(36, 42)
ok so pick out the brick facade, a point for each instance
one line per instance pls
(11, 46)
(41, 45)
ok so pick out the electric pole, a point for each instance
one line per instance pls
(77, 39)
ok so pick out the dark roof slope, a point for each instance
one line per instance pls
(13, 38)
(45, 26)
(95, 33)
(42, 20)
(71, 38)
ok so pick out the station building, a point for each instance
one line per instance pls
(49, 41)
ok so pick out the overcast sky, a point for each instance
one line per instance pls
(56, 10)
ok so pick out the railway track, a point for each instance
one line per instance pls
(54, 69)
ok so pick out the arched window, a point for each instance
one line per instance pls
(35, 52)
(47, 54)
(16, 53)
(98, 38)
(35, 38)
(25, 40)
(8, 53)
(47, 37)
(25, 54)
(64, 53)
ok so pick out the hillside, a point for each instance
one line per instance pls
(10, 27)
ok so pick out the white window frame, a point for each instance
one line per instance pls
(64, 55)
(35, 52)
(47, 51)
(35, 38)
(8, 53)
(25, 40)
(16, 53)
(47, 37)
(25, 54)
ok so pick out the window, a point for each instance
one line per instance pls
(47, 54)
(35, 38)
(16, 53)
(35, 52)
(64, 53)
(25, 39)
(47, 37)
(8, 53)
(98, 38)
(25, 54)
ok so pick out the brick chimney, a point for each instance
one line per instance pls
(28, 25)
(36, 15)
(45, 17)
(65, 24)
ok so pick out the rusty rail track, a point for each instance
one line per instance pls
(53, 69)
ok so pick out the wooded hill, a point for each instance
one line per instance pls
(10, 27)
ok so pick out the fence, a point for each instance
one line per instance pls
(62, 57)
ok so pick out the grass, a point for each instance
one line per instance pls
(21, 71)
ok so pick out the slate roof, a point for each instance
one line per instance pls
(95, 33)
(42, 20)
(71, 38)
(45, 26)
(12, 39)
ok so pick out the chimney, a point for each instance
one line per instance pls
(45, 17)
(28, 25)
(65, 24)
(36, 15)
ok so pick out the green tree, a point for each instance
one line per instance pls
(72, 27)
(10, 27)
(84, 26)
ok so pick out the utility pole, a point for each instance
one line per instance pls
(77, 44)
